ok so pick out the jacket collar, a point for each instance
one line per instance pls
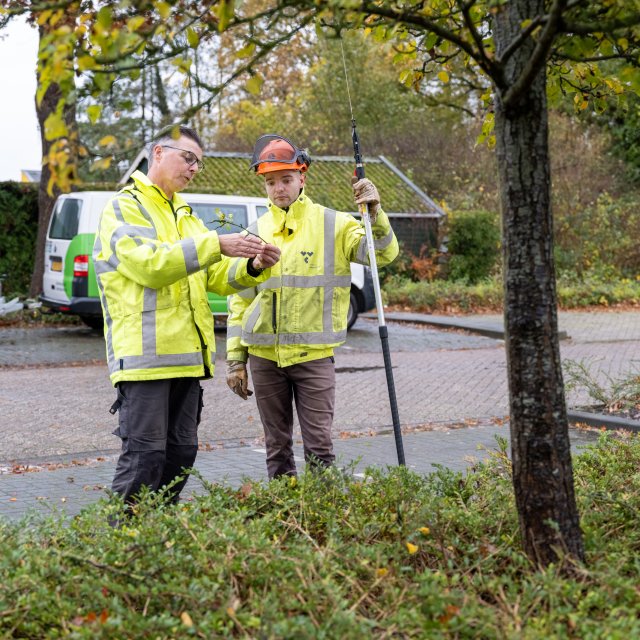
(293, 217)
(153, 191)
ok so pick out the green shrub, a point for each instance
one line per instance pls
(18, 232)
(574, 293)
(443, 295)
(600, 240)
(474, 245)
(331, 556)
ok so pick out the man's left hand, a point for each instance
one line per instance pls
(268, 256)
(365, 192)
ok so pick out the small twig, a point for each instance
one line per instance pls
(100, 565)
(185, 524)
(222, 221)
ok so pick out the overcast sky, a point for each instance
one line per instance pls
(19, 135)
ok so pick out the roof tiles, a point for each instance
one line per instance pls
(329, 182)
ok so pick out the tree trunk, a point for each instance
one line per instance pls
(46, 200)
(542, 470)
(46, 197)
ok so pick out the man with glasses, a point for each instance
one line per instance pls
(288, 326)
(155, 261)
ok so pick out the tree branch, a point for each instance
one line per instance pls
(517, 42)
(539, 55)
(425, 24)
(477, 38)
(589, 28)
(265, 49)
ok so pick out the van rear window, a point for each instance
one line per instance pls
(209, 213)
(65, 219)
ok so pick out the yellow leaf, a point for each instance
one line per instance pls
(245, 52)
(412, 548)
(254, 84)
(192, 38)
(86, 62)
(406, 77)
(107, 141)
(186, 619)
(425, 531)
(133, 24)
(382, 572)
(103, 163)
(443, 77)
(44, 16)
(164, 9)
(104, 17)
(94, 111)
(54, 126)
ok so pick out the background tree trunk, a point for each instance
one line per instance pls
(46, 200)
(542, 470)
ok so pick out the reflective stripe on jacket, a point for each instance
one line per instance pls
(155, 261)
(300, 312)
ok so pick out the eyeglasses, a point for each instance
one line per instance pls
(189, 157)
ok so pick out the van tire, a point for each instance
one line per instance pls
(354, 308)
(95, 322)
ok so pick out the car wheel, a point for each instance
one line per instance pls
(352, 314)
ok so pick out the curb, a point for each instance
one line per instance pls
(493, 330)
(603, 420)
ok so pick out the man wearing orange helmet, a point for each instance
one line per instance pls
(288, 326)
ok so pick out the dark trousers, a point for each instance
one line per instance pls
(313, 387)
(158, 424)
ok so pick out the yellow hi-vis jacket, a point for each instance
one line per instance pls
(155, 261)
(300, 312)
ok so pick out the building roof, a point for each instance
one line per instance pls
(329, 182)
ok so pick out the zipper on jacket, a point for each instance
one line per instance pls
(175, 213)
(274, 313)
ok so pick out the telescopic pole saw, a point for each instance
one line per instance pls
(382, 327)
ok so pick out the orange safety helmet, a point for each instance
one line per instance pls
(275, 153)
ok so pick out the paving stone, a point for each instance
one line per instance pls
(52, 416)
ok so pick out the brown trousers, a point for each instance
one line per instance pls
(313, 387)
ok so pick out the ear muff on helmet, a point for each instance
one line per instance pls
(275, 153)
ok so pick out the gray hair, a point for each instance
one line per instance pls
(168, 134)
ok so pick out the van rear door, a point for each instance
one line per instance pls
(63, 227)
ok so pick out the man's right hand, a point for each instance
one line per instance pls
(238, 379)
(240, 245)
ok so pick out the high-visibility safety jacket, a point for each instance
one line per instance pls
(300, 312)
(155, 261)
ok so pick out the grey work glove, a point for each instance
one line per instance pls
(238, 378)
(365, 192)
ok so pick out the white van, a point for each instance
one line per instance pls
(69, 283)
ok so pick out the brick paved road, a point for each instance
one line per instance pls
(440, 377)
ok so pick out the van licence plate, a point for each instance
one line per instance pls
(56, 263)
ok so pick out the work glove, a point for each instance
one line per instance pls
(238, 378)
(365, 192)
